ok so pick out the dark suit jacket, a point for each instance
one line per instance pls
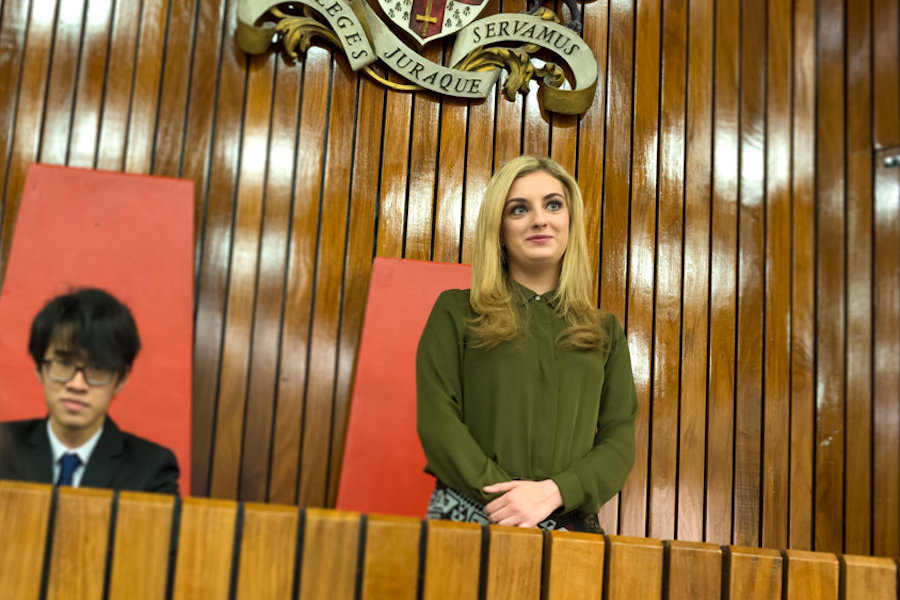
(120, 461)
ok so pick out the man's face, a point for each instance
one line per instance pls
(77, 407)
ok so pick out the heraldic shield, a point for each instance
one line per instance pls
(428, 20)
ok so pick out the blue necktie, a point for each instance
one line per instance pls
(67, 465)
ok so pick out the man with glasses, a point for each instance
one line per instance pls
(83, 345)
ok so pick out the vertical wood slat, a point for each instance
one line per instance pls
(143, 112)
(830, 279)
(391, 562)
(205, 549)
(857, 517)
(241, 290)
(123, 45)
(574, 157)
(358, 261)
(25, 517)
(874, 578)
(57, 118)
(171, 117)
(24, 141)
(325, 330)
(723, 277)
(268, 547)
(573, 565)
(886, 73)
(452, 559)
(269, 300)
(669, 273)
(535, 126)
(394, 174)
(13, 31)
(802, 446)
(423, 159)
(330, 550)
(80, 538)
(613, 230)
(750, 268)
(451, 169)
(811, 575)
(141, 546)
(508, 132)
(300, 281)
(514, 563)
(88, 106)
(479, 158)
(754, 573)
(635, 568)
(776, 367)
(695, 570)
(886, 325)
(695, 286)
(642, 250)
(216, 120)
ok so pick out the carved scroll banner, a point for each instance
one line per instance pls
(482, 49)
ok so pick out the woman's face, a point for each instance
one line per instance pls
(535, 224)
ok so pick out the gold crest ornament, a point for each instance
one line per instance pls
(482, 49)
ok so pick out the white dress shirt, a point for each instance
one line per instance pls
(84, 451)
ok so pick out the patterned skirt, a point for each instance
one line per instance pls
(449, 505)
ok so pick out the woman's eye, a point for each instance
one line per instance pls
(554, 205)
(517, 210)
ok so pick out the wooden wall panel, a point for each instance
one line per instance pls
(61, 87)
(88, 110)
(613, 230)
(723, 276)
(695, 285)
(669, 272)
(858, 414)
(216, 122)
(830, 280)
(750, 276)
(642, 255)
(776, 366)
(742, 222)
(802, 445)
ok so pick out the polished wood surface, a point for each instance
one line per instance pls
(80, 538)
(514, 563)
(25, 514)
(569, 559)
(741, 221)
(203, 567)
(392, 558)
(144, 526)
(247, 550)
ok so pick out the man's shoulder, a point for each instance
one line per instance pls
(132, 443)
(20, 428)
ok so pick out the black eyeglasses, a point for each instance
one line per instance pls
(62, 371)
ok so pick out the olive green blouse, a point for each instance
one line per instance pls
(525, 409)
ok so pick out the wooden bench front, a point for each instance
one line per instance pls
(94, 544)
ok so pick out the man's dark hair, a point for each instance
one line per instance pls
(90, 322)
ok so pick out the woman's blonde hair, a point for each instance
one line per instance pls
(492, 293)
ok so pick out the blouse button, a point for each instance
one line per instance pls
(537, 297)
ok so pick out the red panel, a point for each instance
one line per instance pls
(133, 236)
(383, 461)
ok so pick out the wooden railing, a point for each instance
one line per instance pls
(86, 543)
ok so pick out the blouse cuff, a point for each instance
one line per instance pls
(570, 489)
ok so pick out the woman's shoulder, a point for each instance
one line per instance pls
(453, 298)
(612, 328)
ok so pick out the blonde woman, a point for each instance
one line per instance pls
(526, 400)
